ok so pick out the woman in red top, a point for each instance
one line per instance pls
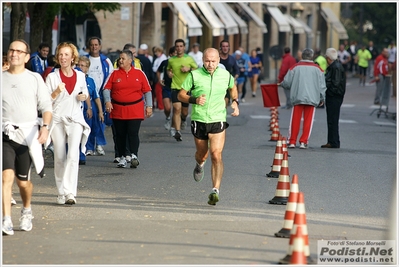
(126, 93)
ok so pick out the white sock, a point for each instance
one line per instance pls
(215, 190)
(26, 210)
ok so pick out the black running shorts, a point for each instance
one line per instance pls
(16, 157)
(175, 92)
(201, 130)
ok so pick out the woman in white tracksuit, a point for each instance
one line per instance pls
(68, 129)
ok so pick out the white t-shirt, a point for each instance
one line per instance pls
(96, 71)
(343, 56)
(392, 54)
(197, 58)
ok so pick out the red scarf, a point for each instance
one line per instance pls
(69, 81)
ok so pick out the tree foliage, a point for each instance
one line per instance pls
(383, 16)
(42, 16)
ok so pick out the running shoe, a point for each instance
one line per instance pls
(128, 159)
(89, 153)
(167, 124)
(13, 202)
(198, 172)
(135, 161)
(117, 159)
(213, 197)
(291, 146)
(7, 227)
(303, 146)
(172, 131)
(122, 163)
(60, 200)
(100, 151)
(26, 221)
(70, 199)
(177, 136)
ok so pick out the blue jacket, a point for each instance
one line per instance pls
(36, 64)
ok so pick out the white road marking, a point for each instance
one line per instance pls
(385, 123)
(347, 121)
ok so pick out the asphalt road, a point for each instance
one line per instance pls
(157, 214)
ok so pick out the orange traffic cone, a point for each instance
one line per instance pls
(278, 157)
(290, 209)
(299, 222)
(276, 132)
(284, 145)
(283, 184)
(272, 122)
(298, 246)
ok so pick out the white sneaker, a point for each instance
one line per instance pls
(100, 151)
(303, 146)
(128, 159)
(117, 159)
(60, 200)
(172, 131)
(70, 199)
(89, 153)
(7, 228)
(291, 146)
(167, 124)
(122, 163)
(13, 202)
(26, 221)
(243, 100)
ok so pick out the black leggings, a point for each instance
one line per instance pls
(130, 129)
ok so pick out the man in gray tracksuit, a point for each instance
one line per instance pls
(307, 86)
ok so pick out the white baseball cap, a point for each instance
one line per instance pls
(144, 46)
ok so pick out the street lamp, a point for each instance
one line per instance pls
(297, 9)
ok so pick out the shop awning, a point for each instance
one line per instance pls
(212, 19)
(296, 25)
(253, 16)
(283, 25)
(333, 20)
(225, 16)
(241, 23)
(307, 29)
(187, 16)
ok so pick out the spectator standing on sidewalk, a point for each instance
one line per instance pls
(69, 130)
(287, 62)
(207, 87)
(336, 86)
(307, 84)
(381, 70)
(23, 92)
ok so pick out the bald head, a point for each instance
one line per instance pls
(211, 59)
